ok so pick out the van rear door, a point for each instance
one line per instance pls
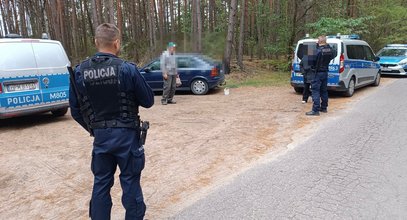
(18, 76)
(52, 63)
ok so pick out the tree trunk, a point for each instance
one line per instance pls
(21, 10)
(14, 12)
(241, 35)
(229, 38)
(73, 31)
(119, 16)
(199, 27)
(95, 19)
(4, 17)
(111, 11)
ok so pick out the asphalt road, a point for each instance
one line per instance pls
(353, 167)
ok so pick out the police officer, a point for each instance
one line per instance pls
(104, 99)
(319, 83)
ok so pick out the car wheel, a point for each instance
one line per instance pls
(377, 80)
(59, 112)
(298, 90)
(351, 88)
(199, 87)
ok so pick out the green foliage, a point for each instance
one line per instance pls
(339, 25)
(388, 25)
(213, 44)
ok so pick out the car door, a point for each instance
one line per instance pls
(371, 66)
(358, 63)
(153, 75)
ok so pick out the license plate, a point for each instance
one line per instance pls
(386, 69)
(21, 87)
(297, 74)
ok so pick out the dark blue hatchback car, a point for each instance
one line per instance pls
(198, 73)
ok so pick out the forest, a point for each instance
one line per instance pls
(228, 30)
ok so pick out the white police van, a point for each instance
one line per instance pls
(33, 77)
(354, 66)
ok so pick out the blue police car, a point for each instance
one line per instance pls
(198, 73)
(393, 59)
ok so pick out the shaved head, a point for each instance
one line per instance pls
(106, 35)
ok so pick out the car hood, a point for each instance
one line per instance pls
(392, 60)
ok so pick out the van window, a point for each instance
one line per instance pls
(49, 55)
(18, 56)
(369, 53)
(356, 52)
(308, 48)
(311, 47)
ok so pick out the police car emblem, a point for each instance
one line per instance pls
(45, 80)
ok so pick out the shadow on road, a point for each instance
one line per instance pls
(30, 121)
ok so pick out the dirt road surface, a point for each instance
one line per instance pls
(193, 147)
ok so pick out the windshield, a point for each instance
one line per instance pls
(386, 52)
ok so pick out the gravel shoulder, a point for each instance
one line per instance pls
(193, 147)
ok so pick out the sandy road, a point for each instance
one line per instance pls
(45, 161)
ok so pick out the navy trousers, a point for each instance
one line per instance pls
(114, 147)
(319, 88)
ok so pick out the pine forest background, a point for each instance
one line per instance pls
(231, 30)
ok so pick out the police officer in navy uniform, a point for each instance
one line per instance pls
(104, 100)
(319, 83)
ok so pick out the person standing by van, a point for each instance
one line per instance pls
(307, 69)
(168, 64)
(319, 84)
(105, 96)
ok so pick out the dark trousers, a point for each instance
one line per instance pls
(306, 92)
(114, 147)
(170, 85)
(319, 90)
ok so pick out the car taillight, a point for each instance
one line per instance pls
(341, 63)
(214, 72)
(1, 88)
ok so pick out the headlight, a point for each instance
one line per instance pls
(403, 63)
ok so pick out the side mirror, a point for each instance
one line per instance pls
(376, 59)
(147, 69)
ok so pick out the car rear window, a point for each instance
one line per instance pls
(392, 52)
(49, 55)
(16, 55)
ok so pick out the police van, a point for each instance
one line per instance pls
(354, 66)
(33, 77)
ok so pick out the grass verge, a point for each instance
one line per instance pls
(261, 78)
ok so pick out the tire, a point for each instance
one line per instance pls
(60, 112)
(298, 90)
(199, 87)
(377, 80)
(351, 88)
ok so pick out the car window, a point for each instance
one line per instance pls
(356, 52)
(186, 62)
(369, 53)
(49, 55)
(334, 47)
(154, 65)
(387, 52)
(18, 56)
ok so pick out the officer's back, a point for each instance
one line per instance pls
(105, 96)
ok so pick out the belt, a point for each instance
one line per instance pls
(114, 124)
